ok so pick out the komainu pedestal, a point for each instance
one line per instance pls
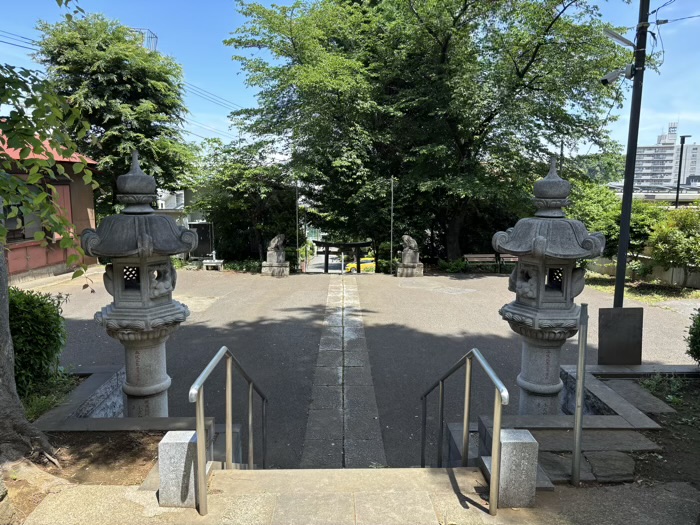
(410, 266)
(276, 266)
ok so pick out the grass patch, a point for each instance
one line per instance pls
(42, 398)
(668, 388)
(642, 291)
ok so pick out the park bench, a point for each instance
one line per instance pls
(490, 258)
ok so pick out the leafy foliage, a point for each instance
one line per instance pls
(131, 97)
(38, 334)
(676, 241)
(693, 338)
(247, 195)
(600, 210)
(455, 102)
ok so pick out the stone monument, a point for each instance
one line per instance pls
(545, 281)
(141, 279)
(275, 264)
(409, 265)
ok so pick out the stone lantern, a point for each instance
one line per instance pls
(141, 279)
(545, 282)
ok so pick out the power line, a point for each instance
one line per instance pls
(212, 95)
(195, 134)
(222, 133)
(26, 39)
(18, 45)
(659, 22)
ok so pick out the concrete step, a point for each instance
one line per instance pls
(381, 496)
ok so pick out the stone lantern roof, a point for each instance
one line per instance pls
(137, 230)
(549, 233)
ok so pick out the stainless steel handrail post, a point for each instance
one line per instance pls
(495, 454)
(424, 423)
(467, 401)
(441, 410)
(229, 412)
(250, 426)
(264, 433)
(201, 453)
(580, 380)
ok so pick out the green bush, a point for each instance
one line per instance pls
(249, 265)
(456, 266)
(693, 338)
(39, 334)
(384, 266)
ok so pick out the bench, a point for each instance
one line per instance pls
(213, 263)
(484, 258)
(490, 258)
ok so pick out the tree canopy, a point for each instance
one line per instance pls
(132, 98)
(457, 101)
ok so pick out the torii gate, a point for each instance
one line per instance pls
(342, 246)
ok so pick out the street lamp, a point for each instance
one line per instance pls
(680, 168)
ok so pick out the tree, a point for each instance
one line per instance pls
(246, 193)
(599, 167)
(132, 98)
(675, 242)
(457, 101)
(37, 126)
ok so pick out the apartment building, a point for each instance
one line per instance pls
(657, 165)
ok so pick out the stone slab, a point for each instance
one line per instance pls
(351, 359)
(558, 467)
(360, 397)
(314, 509)
(594, 440)
(326, 397)
(325, 424)
(611, 466)
(364, 453)
(620, 336)
(639, 396)
(177, 469)
(401, 508)
(322, 453)
(358, 376)
(328, 376)
(249, 509)
(362, 424)
(518, 475)
(330, 359)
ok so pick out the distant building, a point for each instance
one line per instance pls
(657, 165)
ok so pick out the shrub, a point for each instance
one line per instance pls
(693, 338)
(249, 265)
(39, 334)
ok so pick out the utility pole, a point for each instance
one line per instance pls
(680, 168)
(391, 233)
(633, 135)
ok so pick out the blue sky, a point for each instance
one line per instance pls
(192, 33)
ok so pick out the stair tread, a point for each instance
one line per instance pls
(466, 480)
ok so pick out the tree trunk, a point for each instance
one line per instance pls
(454, 230)
(18, 437)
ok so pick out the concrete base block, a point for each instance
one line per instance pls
(177, 467)
(409, 270)
(275, 269)
(518, 478)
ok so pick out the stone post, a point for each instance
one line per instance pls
(276, 266)
(409, 265)
(545, 282)
(141, 279)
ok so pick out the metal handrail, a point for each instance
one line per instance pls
(197, 396)
(501, 398)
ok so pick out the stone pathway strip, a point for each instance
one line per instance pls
(343, 424)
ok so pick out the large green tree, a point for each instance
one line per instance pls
(247, 194)
(36, 125)
(676, 241)
(458, 101)
(131, 96)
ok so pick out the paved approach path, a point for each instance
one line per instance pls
(414, 330)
